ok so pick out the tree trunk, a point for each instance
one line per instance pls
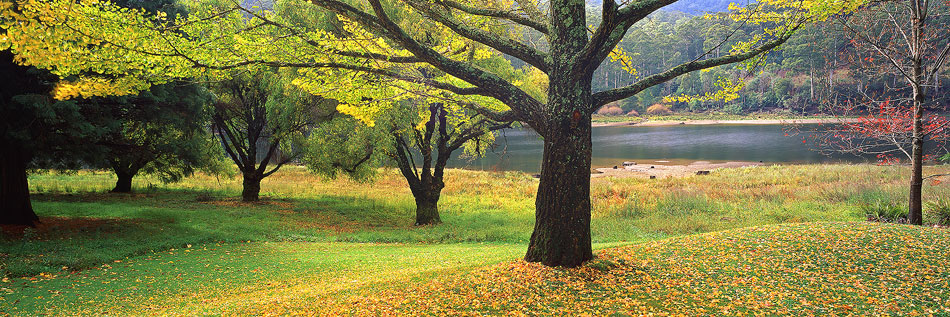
(561, 234)
(915, 205)
(124, 182)
(15, 207)
(252, 187)
(562, 210)
(427, 208)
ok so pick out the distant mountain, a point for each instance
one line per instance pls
(695, 7)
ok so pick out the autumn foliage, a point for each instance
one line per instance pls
(885, 132)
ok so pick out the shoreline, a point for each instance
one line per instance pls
(659, 123)
(656, 169)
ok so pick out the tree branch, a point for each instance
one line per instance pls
(494, 86)
(614, 25)
(499, 42)
(501, 14)
(607, 96)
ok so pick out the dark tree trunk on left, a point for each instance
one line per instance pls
(15, 207)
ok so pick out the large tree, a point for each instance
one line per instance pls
(389, 39)
(36, 131)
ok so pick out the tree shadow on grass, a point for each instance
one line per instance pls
(80, 231)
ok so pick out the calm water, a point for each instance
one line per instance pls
(521, 149)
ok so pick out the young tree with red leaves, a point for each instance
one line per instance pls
(887, 132)
(906, 43)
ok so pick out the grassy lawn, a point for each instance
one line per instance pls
(314, 245)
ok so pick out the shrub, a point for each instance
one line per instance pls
(884, 211)
(659, 109)
(610, 110)
(633, 113)
(940, 208)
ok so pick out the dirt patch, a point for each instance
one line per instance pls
(90, 197)
(63, 226)
(236, 202)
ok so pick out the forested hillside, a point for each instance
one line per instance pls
(817, 71)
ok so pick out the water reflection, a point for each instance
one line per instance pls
(521, 149)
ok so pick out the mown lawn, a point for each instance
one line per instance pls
(316, 244)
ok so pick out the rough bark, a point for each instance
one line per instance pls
(561, 234)
(15, 206)
(427, 207)
(252, 187)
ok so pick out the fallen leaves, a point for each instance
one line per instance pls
(812, 269)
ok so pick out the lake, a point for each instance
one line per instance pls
(520, 149)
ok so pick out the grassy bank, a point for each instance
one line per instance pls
(690, 116)
(190, 246)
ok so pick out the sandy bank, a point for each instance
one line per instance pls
(645, 169)
(657, 123)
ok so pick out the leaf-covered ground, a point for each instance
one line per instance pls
(801, 269)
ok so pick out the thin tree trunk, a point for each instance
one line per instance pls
(15, 206)
(915, 214)
(252, 187)
(915, 205)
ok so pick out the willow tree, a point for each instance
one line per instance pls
(389, 38)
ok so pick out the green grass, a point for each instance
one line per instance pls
(192, 280)
(310, 231)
